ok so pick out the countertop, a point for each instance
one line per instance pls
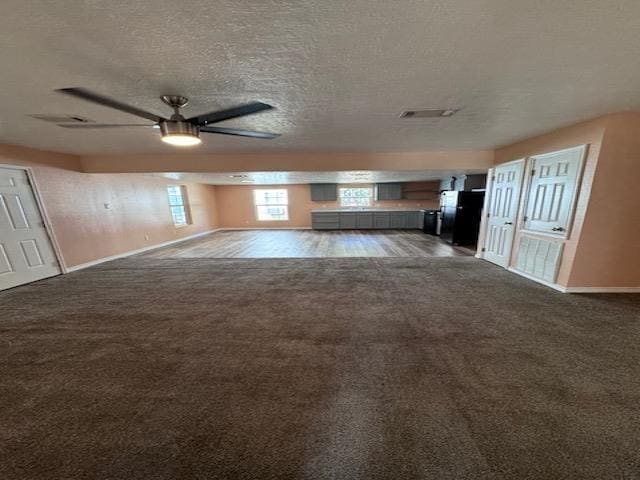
(368, 210)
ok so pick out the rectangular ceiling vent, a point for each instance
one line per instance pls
(427, 113)
(61, 118)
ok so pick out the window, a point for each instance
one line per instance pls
(271, 204)
(356, 196)
(178, 205)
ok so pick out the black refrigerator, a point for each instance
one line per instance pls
(460, 213)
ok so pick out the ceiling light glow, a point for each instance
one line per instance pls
(181, 140)
(180, 133)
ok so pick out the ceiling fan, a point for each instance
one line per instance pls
(176, 130)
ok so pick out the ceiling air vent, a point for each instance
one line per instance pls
(429, 113)
(61, 118)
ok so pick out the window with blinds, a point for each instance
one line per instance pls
(178, 205)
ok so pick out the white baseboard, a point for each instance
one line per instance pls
(562, 289)
(139, 250)
(555, 286)
(265, 228)
(602, 289)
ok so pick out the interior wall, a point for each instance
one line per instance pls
(236, 208)
(607, 252)
(136, 214)
(289, 162)
(590, 133)
(600, 251)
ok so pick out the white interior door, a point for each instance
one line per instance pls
(26, 253)
(506, 185)
(552, 191)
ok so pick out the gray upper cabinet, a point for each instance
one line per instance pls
(475, 181)
(389, 191)
(324, 192)
(464, 182)
(317, 192)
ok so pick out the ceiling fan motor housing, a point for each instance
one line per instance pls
(179, 127)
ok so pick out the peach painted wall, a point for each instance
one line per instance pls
(590, 133)
(236, 208)
(289, 162)
(607, 253)
(85, 230)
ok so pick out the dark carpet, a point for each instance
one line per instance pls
(441, 368)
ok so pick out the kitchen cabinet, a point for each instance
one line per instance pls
(381, 220)
(464, 182)
(367, 219)
(348, 220)
(324, 192)
(364, 220)
(414, 219)
(388, 191)
(398, 220)
(325, 221)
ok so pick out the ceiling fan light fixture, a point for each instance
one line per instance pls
(180, 133)
(181, 140)
(175, 130)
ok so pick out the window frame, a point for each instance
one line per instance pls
(184, 204)
(370, 197)
(256, 205)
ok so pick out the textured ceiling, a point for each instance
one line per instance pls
(339, 72)
(288, 178)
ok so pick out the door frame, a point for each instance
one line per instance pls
(43, 213)
(487, 204)
(524, 204)
(482, 232)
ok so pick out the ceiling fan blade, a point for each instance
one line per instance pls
(239, 133)
(85, 94)
(239, 111)
(103, 125)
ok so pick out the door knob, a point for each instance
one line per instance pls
(557, 229)
(508, 223)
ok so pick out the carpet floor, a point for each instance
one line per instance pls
(378, 368)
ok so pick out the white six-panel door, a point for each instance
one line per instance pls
(552, 191)
(26, 253)
(502, 211)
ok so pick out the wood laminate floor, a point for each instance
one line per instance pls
(311, 244)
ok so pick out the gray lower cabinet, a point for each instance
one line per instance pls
(348, 220)
(366, 220)
(381, 220)
(325, 221)
(414, 219)
(398, 220)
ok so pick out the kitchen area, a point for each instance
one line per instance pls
(353, 214)
(450, 208)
